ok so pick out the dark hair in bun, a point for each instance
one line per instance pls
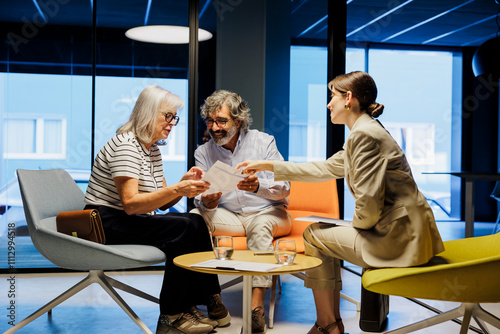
(375, 110)
(362, 87)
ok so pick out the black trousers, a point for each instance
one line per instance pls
(175, 234)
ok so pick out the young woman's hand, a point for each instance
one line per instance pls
(254, 166)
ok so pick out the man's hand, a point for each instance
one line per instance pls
(211, 201)
(250, 184)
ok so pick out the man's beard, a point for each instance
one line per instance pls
(228, 135)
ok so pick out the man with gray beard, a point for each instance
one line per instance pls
(257, 209)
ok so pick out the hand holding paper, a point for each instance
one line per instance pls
(250, 184)
(195, 173)
(222, 178)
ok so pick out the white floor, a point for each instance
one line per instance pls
(93, 311)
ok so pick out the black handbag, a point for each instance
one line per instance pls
(374, 311)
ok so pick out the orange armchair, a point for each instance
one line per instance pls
(306, 199)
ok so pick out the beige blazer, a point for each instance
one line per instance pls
(395, 221)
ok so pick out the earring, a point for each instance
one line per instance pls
(345, 106)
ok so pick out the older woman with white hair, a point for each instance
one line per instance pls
(127, 185)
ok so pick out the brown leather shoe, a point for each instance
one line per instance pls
(217, 311)
(181, 323)
(201, 317)
(258, 321)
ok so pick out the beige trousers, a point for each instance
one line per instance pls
(260, 228)
(331, 244)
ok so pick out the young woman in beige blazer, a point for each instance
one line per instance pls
(393, 225)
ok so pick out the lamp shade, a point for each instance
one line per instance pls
(165, 34)
(486, 60)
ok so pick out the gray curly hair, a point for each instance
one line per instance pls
(237, 107)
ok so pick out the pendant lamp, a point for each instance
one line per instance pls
(486, 60)
(165, 34)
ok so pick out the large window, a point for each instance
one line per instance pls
(48, 101)
(51, 129)
(115, 99)
(308, 100)
(416, 89)
(45, 122)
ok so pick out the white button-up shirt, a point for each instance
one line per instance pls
(251, 145)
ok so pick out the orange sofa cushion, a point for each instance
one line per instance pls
(306, 199)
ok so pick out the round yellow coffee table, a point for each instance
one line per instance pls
(301, 263)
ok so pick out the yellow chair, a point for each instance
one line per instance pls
(466, 272)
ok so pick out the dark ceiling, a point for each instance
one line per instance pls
(454, 23)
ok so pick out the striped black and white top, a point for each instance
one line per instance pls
(123, 155)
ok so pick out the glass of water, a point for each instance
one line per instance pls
(285, 251)
(223, 247)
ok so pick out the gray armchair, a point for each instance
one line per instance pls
(45, 193)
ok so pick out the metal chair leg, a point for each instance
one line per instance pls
(107, 283)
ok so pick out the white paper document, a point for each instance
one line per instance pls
(222, 178)
(319, 219)
(237, 265)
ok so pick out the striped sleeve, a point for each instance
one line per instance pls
(119, 157)
(123, 157)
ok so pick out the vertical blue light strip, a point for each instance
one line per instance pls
(318, 22)
(204, 8)
(146, 17)
(40, 11)
(314, 25)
